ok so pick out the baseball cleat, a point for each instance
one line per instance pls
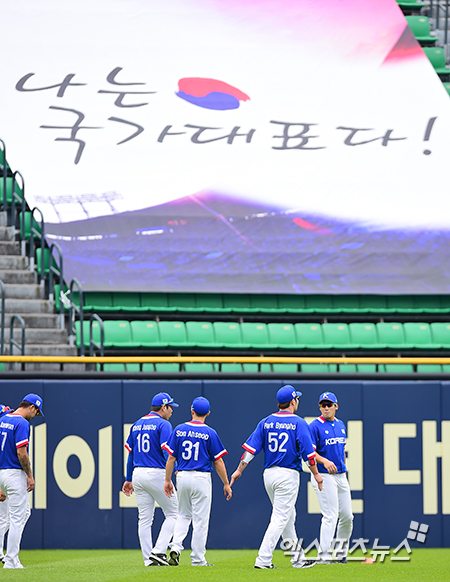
(159, 559)
(305, 564)
(271, 567)
(342, 561)
(174, 558)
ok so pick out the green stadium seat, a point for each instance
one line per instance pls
(25, 229)
(267, 368)
(95, 333)
(236, 302)
(118, 334)
(118, 367)
(347, 368)
(173, 333)
(228, 335)
(419, 335)
(201, 334)
(309, 335)
(250, 368)
(211, 302)
(255, 334)
(291, 303)
(264, 303)
(46, 260)
(282, 335)
(127, 302)
(182, 301)
(98, 301)
(167, 367)
(9, 188)
(446, 368)
(396, 368)
(427, 303)
(145, 334)
(440, 333)
(400, 304)
(318, 368)
(148, 367)
(444, 301)
(391, 335)
(337, 335)
(410, 4)
(200, 367)
(420, 26)
(346, 303)
(234, 368)
(372, 303)
(285, 368)
(365, 335)
(366, 368)
(436, 56)
(155, 302)
(319, 304)
(429, 368)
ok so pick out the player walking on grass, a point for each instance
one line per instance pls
(4, 502)
(145, 476)
(195, 446)
(16, 477)
(285, 439)
(328, 435)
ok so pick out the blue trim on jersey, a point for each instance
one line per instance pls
(196, 446)
(285, 439)
(329, 438)
(14, 433)
(147, 436)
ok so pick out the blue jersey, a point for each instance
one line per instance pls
(14, 433)
(328, 437)
(195, 445)
(285, 439)
(147, 436)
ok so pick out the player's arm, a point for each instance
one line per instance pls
(219, 466)
(168, 485)
(2, 496)
(127, 487)
(24, 461)
(329, 465)
(243, 463)
(309, 454)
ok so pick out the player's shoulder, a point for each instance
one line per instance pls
(318, 421)
(339, 421)
(17, 419)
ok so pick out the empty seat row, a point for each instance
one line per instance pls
(201, 334)
(121, 302)
(276, 368)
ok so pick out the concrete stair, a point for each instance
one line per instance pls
(23, 296)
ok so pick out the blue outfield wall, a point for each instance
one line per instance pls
(398, 458)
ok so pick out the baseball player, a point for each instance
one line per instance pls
(4, 502)
(145, 476)
(285, 439)
(16, 477)
(328, 435)
(196, 447)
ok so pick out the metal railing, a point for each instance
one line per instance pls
(55, 268)
(92, 343)
(12, 341)
(17, 197)
(2, 330)
(73, 310)
(438, 12)
(41, 236)
(5, 171)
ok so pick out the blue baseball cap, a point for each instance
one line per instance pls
(200, 405)
(328, 396)
(162, 398)
(36, 400)
(287, 393)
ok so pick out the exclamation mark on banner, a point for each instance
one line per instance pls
(428, 133)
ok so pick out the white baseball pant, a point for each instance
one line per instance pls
(336, 504)
(13, 482)
(148, 485)
(282, 487)
(4, 523)
(194, 498)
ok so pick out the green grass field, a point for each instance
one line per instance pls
(117, 565)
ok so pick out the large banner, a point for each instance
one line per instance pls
(398, 459)
(218, 145)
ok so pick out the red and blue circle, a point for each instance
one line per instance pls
(210, 93)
